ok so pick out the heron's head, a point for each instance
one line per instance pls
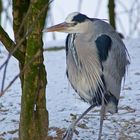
(74, 23)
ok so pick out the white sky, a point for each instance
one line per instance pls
(92, 8)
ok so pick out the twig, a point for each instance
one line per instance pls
(17, 46)
(7, 17)
(25, 35)
(20, 73)
(4, 76)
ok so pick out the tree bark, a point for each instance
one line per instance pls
(0, 10)
(111, 8)
(10, 44)
(34, 115)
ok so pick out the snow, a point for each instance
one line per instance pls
(10, 102)
(56, 43)
(64, 104)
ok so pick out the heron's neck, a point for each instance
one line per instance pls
(89, 34)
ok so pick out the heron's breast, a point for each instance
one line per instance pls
(85, 74)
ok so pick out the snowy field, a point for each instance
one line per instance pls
(64, 105)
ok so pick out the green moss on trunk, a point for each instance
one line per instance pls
(34, 116)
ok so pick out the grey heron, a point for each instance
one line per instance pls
(96, 59)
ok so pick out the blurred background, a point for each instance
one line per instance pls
(126, 15)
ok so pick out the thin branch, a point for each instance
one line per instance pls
(16, 47)
(9, 44)
(122, 5)
(23, 21)
(20, 73)
(4, 77)
(25, 35)
(7, 16)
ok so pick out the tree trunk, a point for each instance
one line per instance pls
(111, 8)
(34, 116)
(0, 10)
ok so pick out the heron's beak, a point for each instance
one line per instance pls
(62, 27)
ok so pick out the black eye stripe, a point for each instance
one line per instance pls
(80, 18)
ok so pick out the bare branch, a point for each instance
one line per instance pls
(20, 73)
(9, 44)
(13, 50)
(29, 31)
(4, 77)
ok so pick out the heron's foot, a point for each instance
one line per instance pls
(69, 133)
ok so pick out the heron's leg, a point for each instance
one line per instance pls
(69, 133)
(102, 114)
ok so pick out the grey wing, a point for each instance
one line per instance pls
(113, 57)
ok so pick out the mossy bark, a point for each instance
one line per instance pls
(20, 8)
(34, 116)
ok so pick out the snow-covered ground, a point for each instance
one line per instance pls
(64, 105)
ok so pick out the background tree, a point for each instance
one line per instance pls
(28, 22)
(111, 12)
(0, 10)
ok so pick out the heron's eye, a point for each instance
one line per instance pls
(75, 23)
(71, 24)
